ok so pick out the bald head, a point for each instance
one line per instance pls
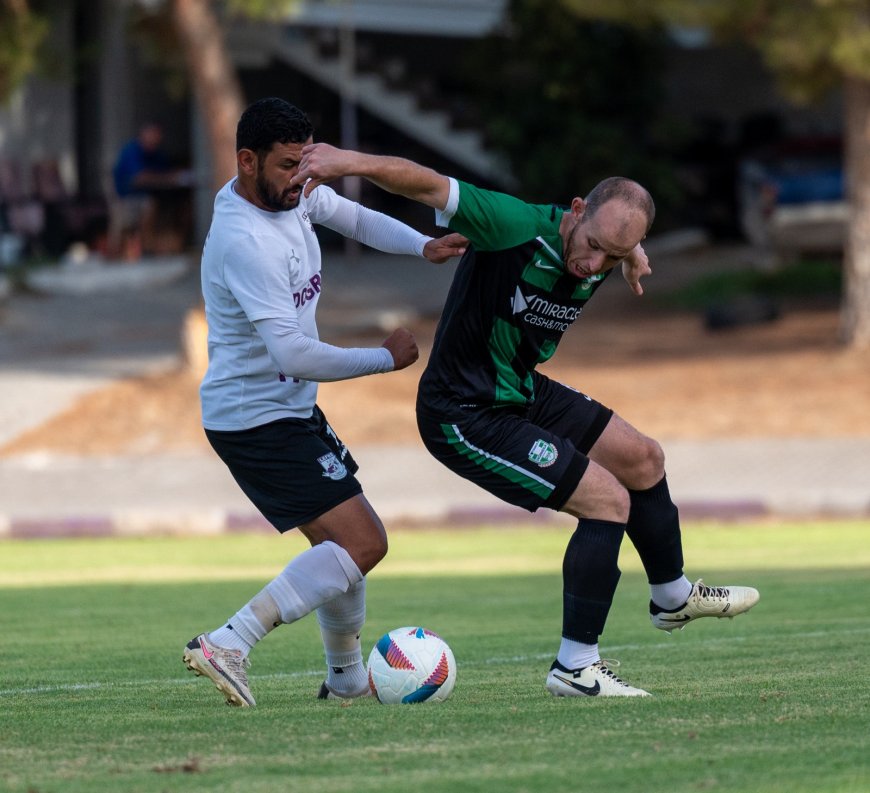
(631, 194)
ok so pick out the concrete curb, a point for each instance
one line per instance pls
(193, 494)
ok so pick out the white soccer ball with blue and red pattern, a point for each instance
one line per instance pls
(411, 665)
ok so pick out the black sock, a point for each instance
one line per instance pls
(590, 575)
(654, 529)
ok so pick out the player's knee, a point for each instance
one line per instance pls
(655, 457)
(620, 504)
(603, 498)
(368, 553)
(649, 467)
(614, 505)
(379, 549)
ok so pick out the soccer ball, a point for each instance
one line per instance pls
(411, 665)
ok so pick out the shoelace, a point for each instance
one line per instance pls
(705, 591)
(237, 665)
(603, 664)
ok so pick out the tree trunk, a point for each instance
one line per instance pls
(855, 314)
(215, 83)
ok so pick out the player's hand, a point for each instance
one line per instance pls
(634, 267)
(443, 248)
(321, 163)
(403, 348)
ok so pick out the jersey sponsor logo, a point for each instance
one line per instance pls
(333, 468)
(307, 293)
(543, 453)
(519, 302)
(307, 220)
(544, 313)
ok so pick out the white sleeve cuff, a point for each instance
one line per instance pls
(444, 216)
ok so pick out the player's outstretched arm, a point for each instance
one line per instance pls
(322, 163)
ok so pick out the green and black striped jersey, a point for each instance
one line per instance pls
(508, 306)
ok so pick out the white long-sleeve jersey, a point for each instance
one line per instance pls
(261, 281)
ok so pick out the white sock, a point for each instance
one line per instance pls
(319, 574)
(249, 624)
(311, 579)
(341, 620)
(672, 595)
(576, 655)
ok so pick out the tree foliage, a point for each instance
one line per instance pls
(22, 33)
(568, 101)
(809, 44)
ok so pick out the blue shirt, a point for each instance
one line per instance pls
(132, 161)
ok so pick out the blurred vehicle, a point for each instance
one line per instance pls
(792, 199)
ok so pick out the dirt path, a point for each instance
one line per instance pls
(661, 371)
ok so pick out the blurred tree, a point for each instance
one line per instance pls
(213, 79)
(811, 45)
(21, 33)
(198, 25)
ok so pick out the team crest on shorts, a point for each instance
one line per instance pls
(332, 467)
(543, 453)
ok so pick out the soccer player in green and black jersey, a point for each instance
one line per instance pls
(486, 413)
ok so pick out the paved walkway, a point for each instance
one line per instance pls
(82, 331)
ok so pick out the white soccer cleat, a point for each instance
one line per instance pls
(328, 693)
(227, 669)
(590, 681)
(705, 601)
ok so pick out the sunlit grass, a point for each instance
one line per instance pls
(94, 697)
(490, 550)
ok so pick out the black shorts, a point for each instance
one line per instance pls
(293, 470)
(530, 457)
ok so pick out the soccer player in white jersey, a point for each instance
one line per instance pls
(261, 280)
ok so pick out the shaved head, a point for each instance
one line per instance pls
(630, 193)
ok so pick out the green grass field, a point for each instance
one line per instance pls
(94, 696)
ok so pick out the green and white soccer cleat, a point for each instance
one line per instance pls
(590, 681)
(705, 601)
(227, 669)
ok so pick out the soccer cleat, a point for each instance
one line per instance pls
(705, 601)
(227, 669)
(590, 681)
(327, 693)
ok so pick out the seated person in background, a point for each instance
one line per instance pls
(141, 171)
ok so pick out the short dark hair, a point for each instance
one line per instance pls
(627, 190)
(269, 121)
